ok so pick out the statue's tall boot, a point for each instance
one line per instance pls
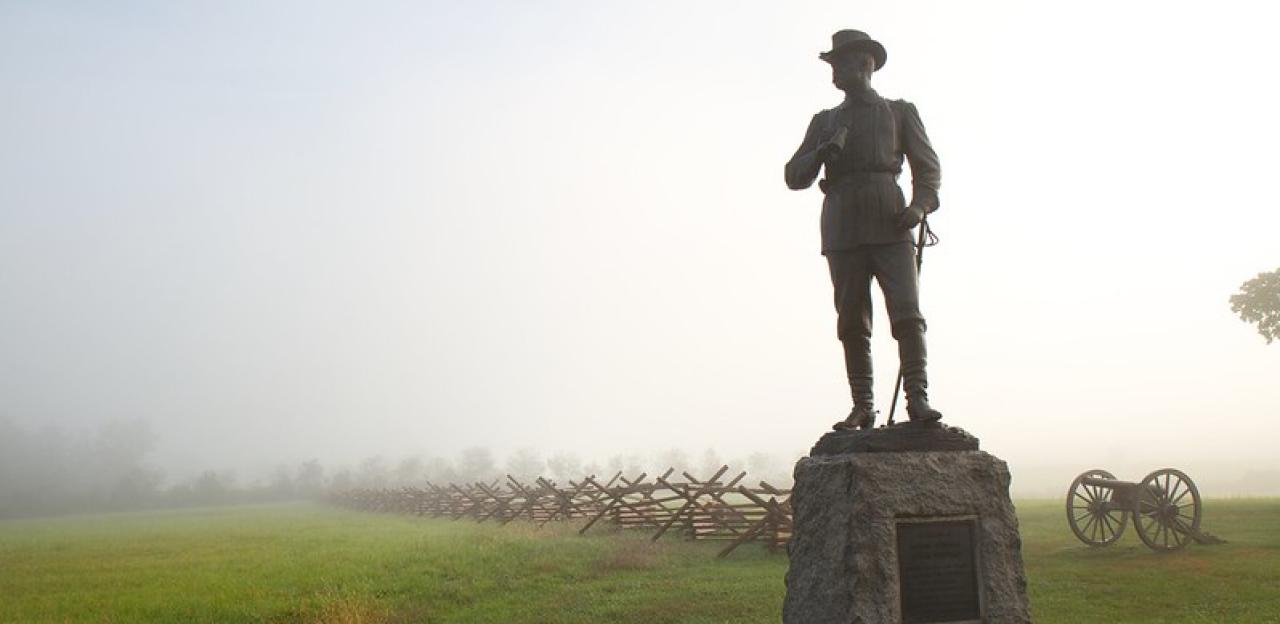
(857, 363)
(915, 382)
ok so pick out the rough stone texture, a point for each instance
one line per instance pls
(844, 567)
(907, 436)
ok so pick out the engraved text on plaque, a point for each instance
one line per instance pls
(937, 570)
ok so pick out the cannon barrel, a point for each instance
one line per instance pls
(1111, 484)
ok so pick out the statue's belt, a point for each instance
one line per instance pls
(848, 177)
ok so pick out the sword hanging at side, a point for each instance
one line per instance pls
(926, 238)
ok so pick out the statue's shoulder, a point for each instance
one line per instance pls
(822, 119)
(904, 112)
(900, 104)
(903, 107)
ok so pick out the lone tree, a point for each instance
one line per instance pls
(1259, 302)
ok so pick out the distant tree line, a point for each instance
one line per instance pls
(480, 464)
(47, 471)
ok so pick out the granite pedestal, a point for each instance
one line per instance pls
(907, 523)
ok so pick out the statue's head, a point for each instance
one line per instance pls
(854, 56)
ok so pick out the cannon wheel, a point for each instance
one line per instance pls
(1167, 511)
(1087, 514)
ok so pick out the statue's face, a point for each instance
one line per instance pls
(852, 69)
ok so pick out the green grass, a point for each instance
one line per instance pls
(1125, 582)
(308, 563)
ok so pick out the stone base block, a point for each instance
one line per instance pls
(887, 537)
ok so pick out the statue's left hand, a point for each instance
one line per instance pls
(910, 217)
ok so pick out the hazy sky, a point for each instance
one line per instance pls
(281, 230)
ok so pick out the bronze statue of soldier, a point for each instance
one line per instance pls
(866, 222)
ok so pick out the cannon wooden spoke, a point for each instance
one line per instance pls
(1167, 515)
(1095, 518)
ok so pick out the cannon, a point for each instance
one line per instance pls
(1165, 507)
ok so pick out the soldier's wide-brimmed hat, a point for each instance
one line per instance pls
(855, 40)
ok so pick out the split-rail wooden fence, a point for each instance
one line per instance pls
(700, 509)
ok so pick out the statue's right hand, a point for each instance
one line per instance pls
(828, 151)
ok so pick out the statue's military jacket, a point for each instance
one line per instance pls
(863, 200)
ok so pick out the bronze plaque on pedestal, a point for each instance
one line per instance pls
(938, 570)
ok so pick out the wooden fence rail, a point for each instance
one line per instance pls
(699, 509)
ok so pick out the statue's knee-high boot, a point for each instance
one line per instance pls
(857, 363)
(915, 382)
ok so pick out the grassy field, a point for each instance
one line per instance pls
(308, 563)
